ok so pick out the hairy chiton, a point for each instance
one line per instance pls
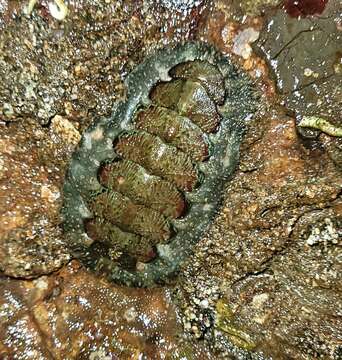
(144, 185)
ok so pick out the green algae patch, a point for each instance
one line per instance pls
(225, 322)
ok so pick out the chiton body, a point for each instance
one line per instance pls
(144, 185)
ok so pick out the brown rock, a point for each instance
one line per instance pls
(273, 250)
(31, 242)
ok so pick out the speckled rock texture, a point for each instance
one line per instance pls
(264, 282)
(273, 253)
(31, 240)
(76, 67)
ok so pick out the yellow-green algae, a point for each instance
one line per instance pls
(319, 123)
(226, 323)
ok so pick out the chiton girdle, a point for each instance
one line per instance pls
(215, 155)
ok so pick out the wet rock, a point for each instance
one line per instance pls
(333, 148)
(293, 306)
(304, 54)
(272, 255)
(279, 181)
(74, 314)
(8, 9)
(275, 239)
(54, 71)
(177, 19)
(31, 240)
(234, 35)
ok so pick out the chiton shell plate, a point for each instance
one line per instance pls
(236, 103)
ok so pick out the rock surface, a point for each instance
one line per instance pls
(304, 54)
(75, 68)
(265, 280)
(31, 240)
(273, 253)
(75, 315)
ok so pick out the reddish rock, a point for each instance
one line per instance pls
(74, 314)
(297, 8)
(31, 241)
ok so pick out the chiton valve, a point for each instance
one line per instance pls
(144, 185)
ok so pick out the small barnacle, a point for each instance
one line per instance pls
(153, 193)
(57, 9)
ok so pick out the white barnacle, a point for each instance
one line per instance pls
(58, 9)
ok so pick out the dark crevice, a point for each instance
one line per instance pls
(292, 40)
(48, 123)
(252, 274)
(293, 226)
(266, 210)
(6, 122)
